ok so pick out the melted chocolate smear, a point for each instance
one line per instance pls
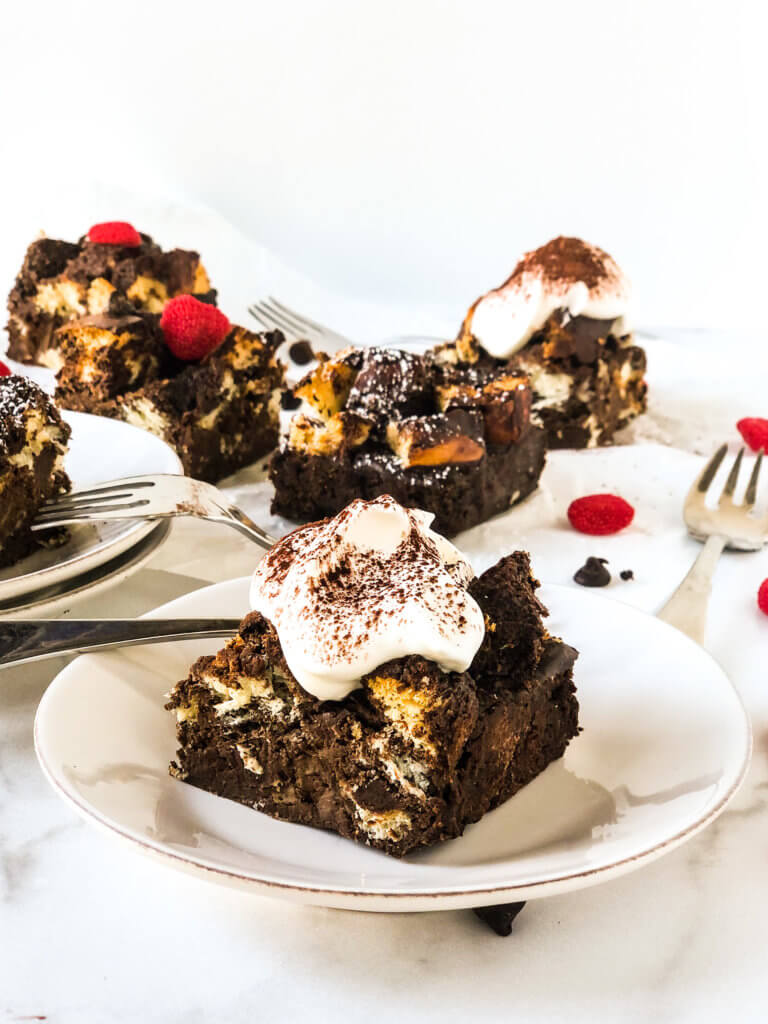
(593, 573)
(501, 917)
(301, 353)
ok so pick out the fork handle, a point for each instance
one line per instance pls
(30, 639)
(686, 610)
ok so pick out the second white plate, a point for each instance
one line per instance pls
(665, 745)
(100, 449)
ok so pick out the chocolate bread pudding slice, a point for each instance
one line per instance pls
(60, 281)
(378, 689)
(219, 412)
(560, 319)
(33, 443)
(453, 439)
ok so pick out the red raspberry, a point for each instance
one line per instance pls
(755, 432)
(600, 514)
(762, 597)
(114, 232)
(192, 328)
(5, 371)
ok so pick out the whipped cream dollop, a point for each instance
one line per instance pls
(374, 583)
(566, 273)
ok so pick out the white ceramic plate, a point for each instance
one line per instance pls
(664, 747)
(100, 449)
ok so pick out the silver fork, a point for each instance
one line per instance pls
(727, 525)
(150, 497)
(273, 314)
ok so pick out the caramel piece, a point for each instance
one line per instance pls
(453, 437)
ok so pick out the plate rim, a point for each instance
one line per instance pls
(373, 898)
(125, 563)
(25, 586)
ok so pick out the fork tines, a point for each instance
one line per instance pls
(734, 522)
(271, 313)
(709, 473)
(98, 492)
(111, 497)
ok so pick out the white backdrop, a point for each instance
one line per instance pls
(408, 151)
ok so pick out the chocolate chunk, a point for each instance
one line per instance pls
(593, 573)
(627, 574)
(301, 353)
(580, 337)
(506, 405)
(289, 401)
(390, 385)
(178, 268)
(501, 917)
(47, 257)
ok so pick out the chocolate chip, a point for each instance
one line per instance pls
(392, 385)
(289, 401)
(301, 353)
(627, 574)
(593, 573)
(500, 917)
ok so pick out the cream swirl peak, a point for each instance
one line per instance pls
(566, 274)
(374, 583)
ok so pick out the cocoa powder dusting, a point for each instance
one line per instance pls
(567, 260)
(365, 585)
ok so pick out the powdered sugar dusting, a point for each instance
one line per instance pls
(17, 396)
(20, 397)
